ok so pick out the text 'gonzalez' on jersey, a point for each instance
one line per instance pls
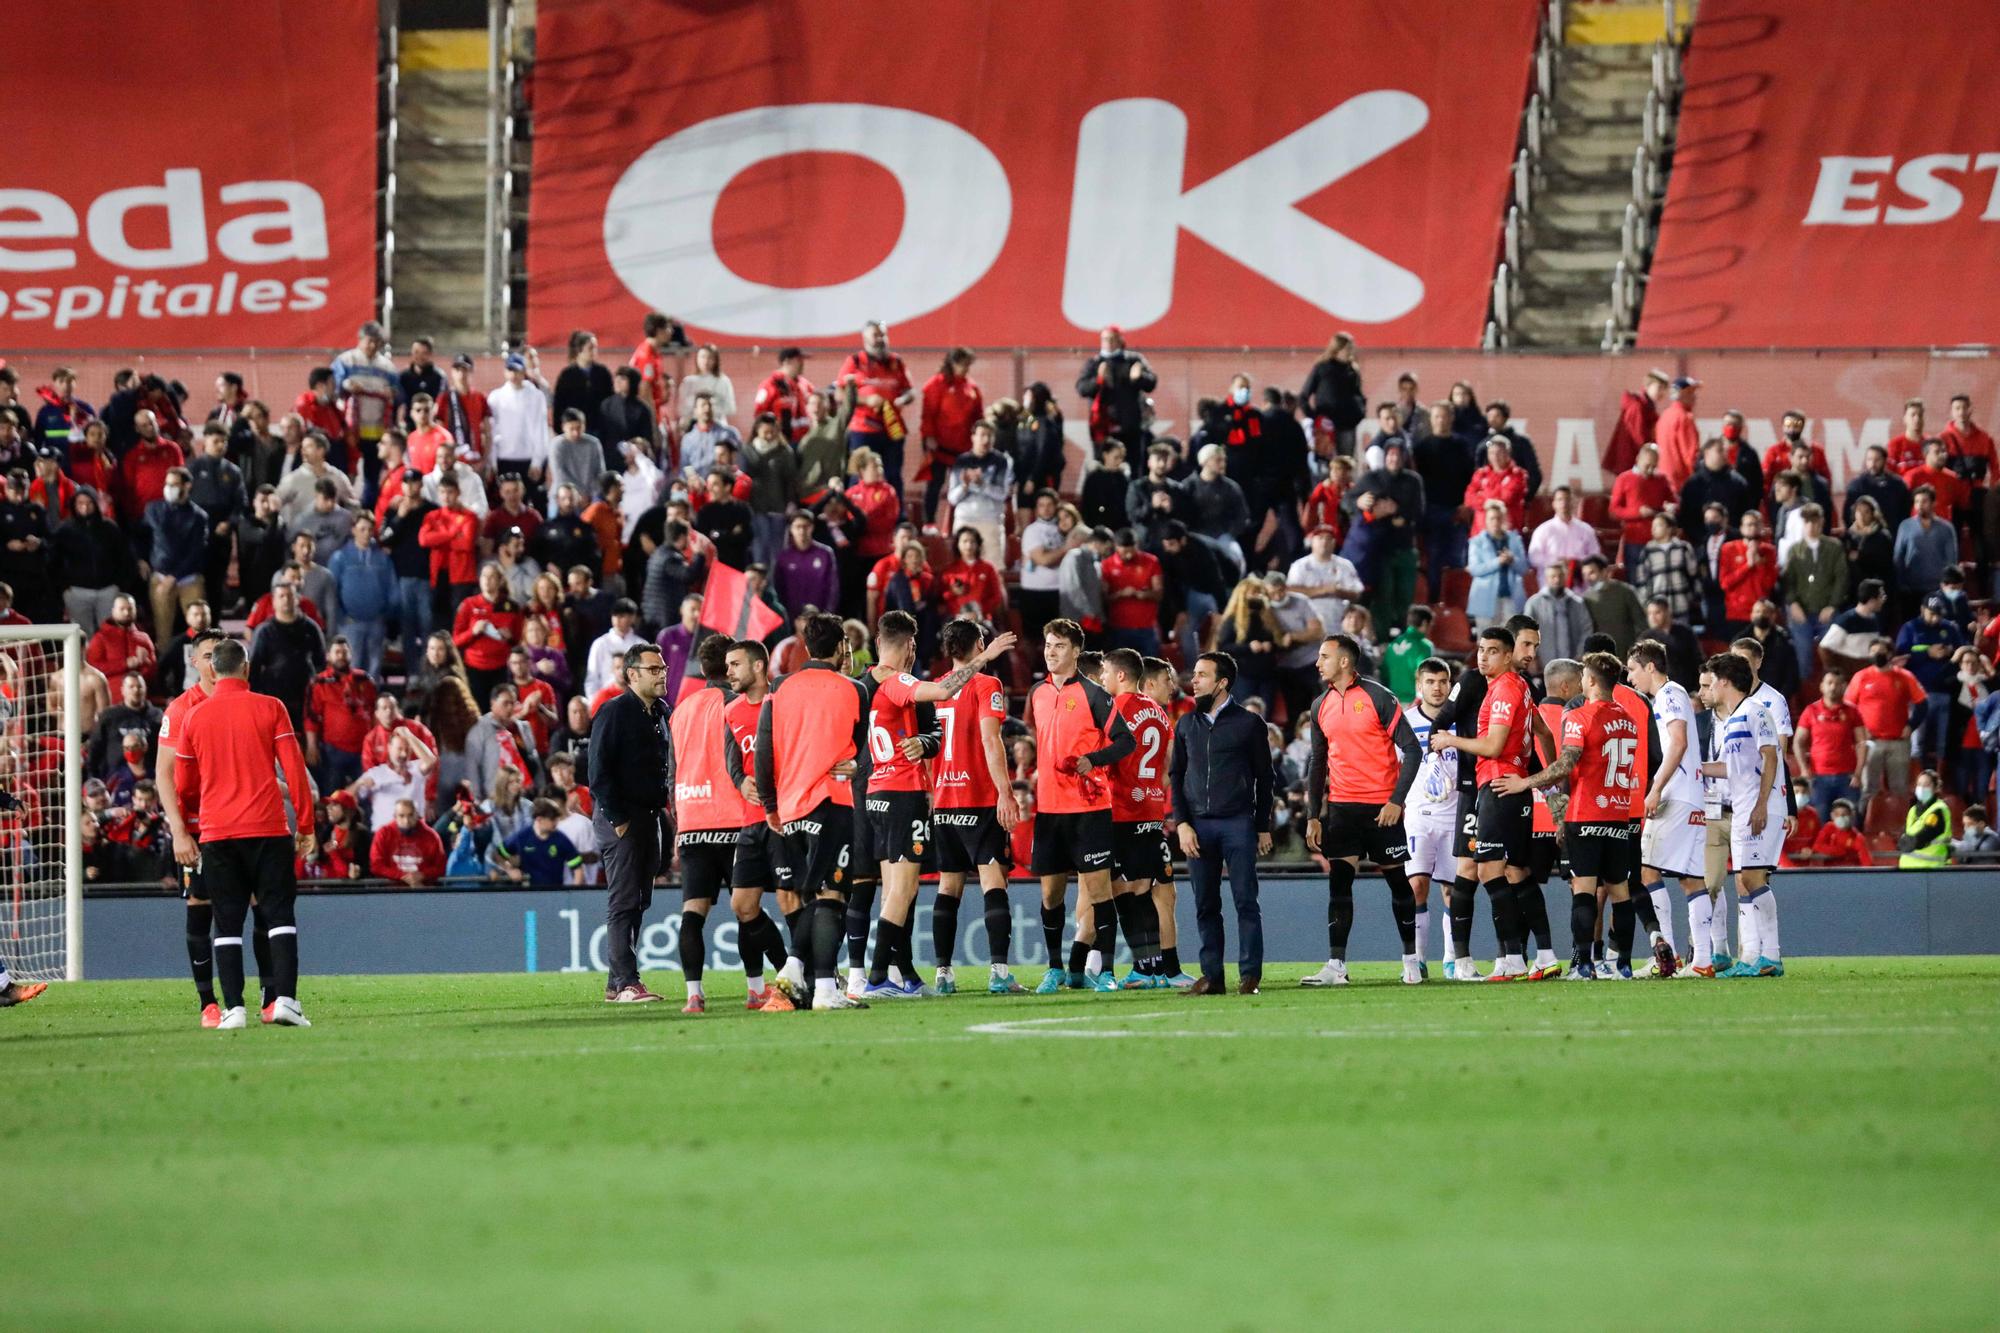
(892, 719)
(1435, 795)
(1604, 784)
(1070, 720)
(959, 776)
(1506, 705)
(1139, 780)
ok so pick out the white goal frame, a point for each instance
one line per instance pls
(71, 638)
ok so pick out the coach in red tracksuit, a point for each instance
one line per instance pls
(231, 746)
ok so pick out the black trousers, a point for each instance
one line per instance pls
(630, 865)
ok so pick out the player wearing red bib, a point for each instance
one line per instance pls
(1139, 805)
(974, 813)
(709, 810)
(896, 825)
(760, 862)
(183, 823)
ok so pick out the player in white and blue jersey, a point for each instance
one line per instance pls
(1751, 770)
(1430, 817)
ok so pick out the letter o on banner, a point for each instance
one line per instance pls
(659, 221)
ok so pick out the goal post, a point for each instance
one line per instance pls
(41, 826)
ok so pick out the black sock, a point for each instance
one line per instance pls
(1642, 903)
(693, 948)
(1403, 906)
(1534, 908)
(284, 964)
(229, 972)
(1079, 954)
(1596, 947)
(1052, 926)
(1582, 922)
(885, 949)
(201, 953)
(774, 941)
(1506, 915)
(860, 911)
(1461, 905)
(795, 922)
(750, 944)
(260, 945)
(944, 928)
(1170, 960)
(826, 934)
(1104, 916)
(904, 953)
(1621, 931)
(999, 925)
(1141, 927)
(1339, 908)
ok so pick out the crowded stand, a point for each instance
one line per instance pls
(440, 581)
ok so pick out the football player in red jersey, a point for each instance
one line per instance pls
(1139, 807)
(761, 859)
(896, 821)
(1163, 688)
(974, 813)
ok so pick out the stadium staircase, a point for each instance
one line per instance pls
(1589, 177)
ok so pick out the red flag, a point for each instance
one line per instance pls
(728, 608)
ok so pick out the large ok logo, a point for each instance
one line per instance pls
(1127, 210)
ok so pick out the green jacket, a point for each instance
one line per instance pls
(1930, 825)
(1815, 581)
(1400, 660)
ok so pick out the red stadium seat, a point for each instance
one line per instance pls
(1540, 510)
(1886, 813)
(1451, 632)
(1457, 587)
(1597, 512)
(1422, 595)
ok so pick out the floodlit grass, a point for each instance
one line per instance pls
(507, 1152)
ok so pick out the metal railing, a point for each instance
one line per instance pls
(1537, 124)
(391, 78)
(1650, 164)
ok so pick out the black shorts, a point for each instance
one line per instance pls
(969, 838)
(706, 857)
(1139, 851)
(1602, 852)
(761, 860)
(897, 827)
(1072, 843)
(1467, 833)
(1544, 854)
(1505, 823)
(862, 868)
(192, 888)
(820, 846)
(1349, 829)
(236, 870)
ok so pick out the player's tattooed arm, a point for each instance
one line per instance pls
(1550, 776)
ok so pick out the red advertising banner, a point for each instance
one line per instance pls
(1836, 181)
(1237, 172)
(193, 175)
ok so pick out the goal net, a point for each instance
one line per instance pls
(41, 801)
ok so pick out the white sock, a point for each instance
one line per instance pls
(895, 975)
(1423, 928)
(756, 984)
(1767, 924)
(5, 980)
(944, 972)
(1412, 959)
(825, 988)
(1700, 909)
(1746, 928)
(1515, 963)
(795, 971)
(1663, 907)
(1718, 926)
(1545, 957)
(1448, 947)
(1094, 961)
(856, 978)
(694, 989)
(1000, 970)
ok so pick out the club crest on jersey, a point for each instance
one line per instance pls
(907, 679)
(1069, 705)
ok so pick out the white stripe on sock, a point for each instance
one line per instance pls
(282, 930)
(229, 942)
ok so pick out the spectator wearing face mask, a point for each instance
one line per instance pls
(1839, 842)
(1926, 840)
(1980, 843)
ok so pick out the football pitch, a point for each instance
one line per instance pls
(508, 1152)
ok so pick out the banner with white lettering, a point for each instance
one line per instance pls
(1836, 181)
(194, 175)
(1024, 172)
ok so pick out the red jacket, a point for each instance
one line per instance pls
(340, 708)
(1637, 420)
(977, 582)
(452, 537)
(950, 407)
(1679, 439)
(324, 417)
(57, 505)
(1632, 492)
(784, 399)
(1842, 846)
(1323, 508)
(260, 611)
(89, 467)
(397, 853)
(1952, 492)
(112, 645)
(886, 379)
(880, 512)
(1800, 839)
(1778, 458)
(1971, 443)
(1509, 487)
(142, 476)
(1905, 453)
(482, 651)
(1744, 584)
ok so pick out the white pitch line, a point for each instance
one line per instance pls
(1056, 1027)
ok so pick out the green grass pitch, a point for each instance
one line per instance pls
(508, 1152)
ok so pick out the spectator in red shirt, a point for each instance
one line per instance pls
(1839, 842)
(1133, 585)
(885, 566)
(1936, 472)
(408, 851)
(663, 334)
(970, 585)
(1323, 505)
(1828, 744)
(1907, 450)
(451, 534)
(1638, 418)
(1635, 497)
(1887, 698)
(427, 439)
(785, 393)
(536, 697)
(1972, 452)
(881, 387)
(513, 511)
(389, 720)
(463, 410)
(120, 646)
(1779, 456)
(340, 709)
(875, 501)
(952, 403)
(1022, 841)
(292, 574)
(1799, 842)
(1500, 480)
(143, 473)
(317, 408)
(1677, 434)
(1747, 569)
(486, 628)
(91, 464)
